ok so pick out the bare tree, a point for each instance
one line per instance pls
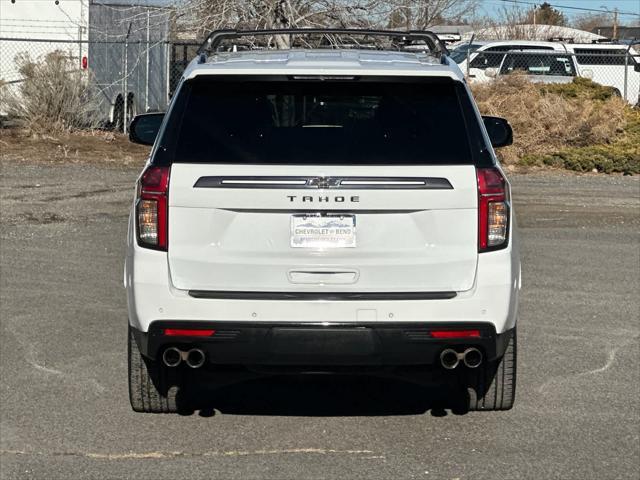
(514, 23)
(510, 23)
(421, 14)
(590, 21)
(202, 16)
(545, 14)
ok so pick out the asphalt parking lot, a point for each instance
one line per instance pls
(63, 392)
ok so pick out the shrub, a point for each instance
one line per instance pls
(620, 156)
(549, 118)
(53, 95)
(582, 88)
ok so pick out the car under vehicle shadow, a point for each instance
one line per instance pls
(321, 395)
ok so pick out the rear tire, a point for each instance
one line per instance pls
(150, 387)
(492, 386)
(118, 115)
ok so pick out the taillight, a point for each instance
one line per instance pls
(493, 209)
(151, 208)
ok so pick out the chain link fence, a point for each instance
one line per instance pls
(181, 53)
(129, 77)
(618, 68)
(140, 76)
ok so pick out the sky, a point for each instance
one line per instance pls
(493, 7)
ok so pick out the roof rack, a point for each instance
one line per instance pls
(217, 37)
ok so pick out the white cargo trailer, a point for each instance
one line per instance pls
(122, 44)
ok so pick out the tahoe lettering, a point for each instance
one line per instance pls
(325, 198)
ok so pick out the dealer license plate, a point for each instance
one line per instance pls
(323, 231)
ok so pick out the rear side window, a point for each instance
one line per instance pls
(320, 122)
(489, 58)
(599, 56)
(492, 57)
(538, 64)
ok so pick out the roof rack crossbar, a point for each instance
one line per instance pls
(216, 37)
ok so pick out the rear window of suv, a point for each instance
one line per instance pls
(600, 56)
(306, 121)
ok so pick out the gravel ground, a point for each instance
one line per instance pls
(63, 396)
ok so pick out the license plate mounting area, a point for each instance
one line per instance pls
(322, 231)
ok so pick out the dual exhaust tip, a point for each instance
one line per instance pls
(471, 357)
(449, 358)
(194, 358)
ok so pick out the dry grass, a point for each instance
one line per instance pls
(83, 147)
(578, 126)
(548, 119)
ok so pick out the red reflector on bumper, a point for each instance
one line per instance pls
(188, 332)
(455, 333)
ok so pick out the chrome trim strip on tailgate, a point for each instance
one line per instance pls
(327, 296)
(351, 183)
(315, 211)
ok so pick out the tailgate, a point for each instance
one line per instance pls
(400, 228)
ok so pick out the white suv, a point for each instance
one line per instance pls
(322, 210)
(475, 59)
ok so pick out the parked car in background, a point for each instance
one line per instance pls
(475, 58)
(610, 64)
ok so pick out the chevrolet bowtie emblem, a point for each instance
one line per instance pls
(324, 182)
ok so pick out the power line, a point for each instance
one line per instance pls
(583, 9)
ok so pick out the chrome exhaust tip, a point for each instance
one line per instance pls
(449, 359)
(195, 358)
(472, 357)
(172, 357)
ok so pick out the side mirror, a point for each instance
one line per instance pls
(491, 72)
(144, 128)
(499, 130)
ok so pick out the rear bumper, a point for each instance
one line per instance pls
(153, 299)
(305, 344)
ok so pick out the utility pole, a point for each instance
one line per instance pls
(146, 86)
(614, 35)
